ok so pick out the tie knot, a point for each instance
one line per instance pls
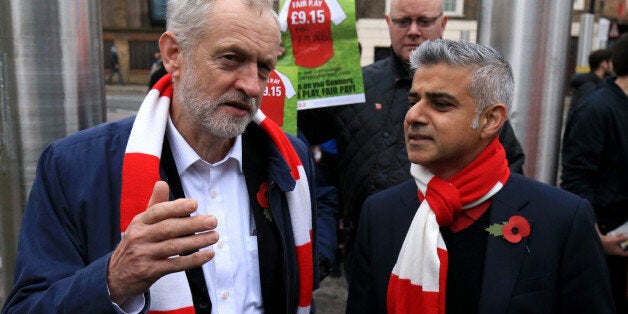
(444, 199)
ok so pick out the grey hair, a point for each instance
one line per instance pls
(187, 18)
(492, 80)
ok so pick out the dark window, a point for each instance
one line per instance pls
(157, 12)
(141, 54)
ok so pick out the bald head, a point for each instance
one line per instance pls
(411, 22)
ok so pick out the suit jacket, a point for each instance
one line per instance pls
(558, 268)
(71, 223)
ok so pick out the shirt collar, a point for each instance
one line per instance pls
(185, 156)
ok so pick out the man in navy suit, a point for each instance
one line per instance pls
(466, 235)
(197, 204)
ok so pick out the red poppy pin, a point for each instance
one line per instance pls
(515, 229)
(262, 199)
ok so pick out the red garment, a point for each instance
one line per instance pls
(309, 23)
(274, 98)
(418, 280)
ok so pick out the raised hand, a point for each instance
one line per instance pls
(152, 244)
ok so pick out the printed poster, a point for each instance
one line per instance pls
(279, 102)
(320, 40)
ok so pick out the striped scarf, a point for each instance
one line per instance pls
(418, 280)
(140, 171)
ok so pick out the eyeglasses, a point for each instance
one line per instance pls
(421, 22)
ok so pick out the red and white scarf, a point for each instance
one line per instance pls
(140, 171)
(418, 280)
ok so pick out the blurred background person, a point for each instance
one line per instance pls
(586, 83)
(114, 67)
(595, 165)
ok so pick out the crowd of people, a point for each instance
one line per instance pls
(201, 204)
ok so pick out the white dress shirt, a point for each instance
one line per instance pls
(232, 276)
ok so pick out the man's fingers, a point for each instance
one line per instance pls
(166, 228)
(178, 227)
(172, 209)
(181, 263)
(611, 243)
(160, 208)
(184, 245)
(124, 281)
(163, 266)
(161, 193)
(618, 238)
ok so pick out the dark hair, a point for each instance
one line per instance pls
(597, 57)
(620, 56)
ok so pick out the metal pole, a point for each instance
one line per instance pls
(465, 35)
(52, 85)
(603, 25)
(10, 195)
(585, 42)
(534, 37)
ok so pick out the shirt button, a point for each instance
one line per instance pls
(220, 244)
(225, 295)
(213, 194)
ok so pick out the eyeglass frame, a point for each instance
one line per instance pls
(421, 22)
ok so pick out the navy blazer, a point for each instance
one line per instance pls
(559, 268)
(72, 222)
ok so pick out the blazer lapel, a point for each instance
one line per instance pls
(409, 202)
(503, 259)
(410, 198)
(269, 244)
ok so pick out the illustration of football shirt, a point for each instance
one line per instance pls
(278, 89)
(309, 22)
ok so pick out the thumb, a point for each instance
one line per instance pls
(161, 193)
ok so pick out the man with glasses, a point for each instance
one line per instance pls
(369, 136)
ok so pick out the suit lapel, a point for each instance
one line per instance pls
(409, 199)
(503, 259)
(270, 250)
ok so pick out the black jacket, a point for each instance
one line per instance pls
(595, 152)
(371, 150)
(558, 268)
(584, 84)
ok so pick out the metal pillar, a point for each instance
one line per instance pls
(534, 37)
(601, 39)
(465, 35)
(585, 42)
(51, 85)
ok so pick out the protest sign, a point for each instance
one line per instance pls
(320, 39)
(279, 102)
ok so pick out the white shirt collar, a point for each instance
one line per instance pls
(184, 155)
